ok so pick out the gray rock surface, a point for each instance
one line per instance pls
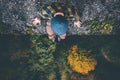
(18, 13)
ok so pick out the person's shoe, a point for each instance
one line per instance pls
(53, 40)
(59, 39)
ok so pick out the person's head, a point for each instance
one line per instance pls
(59, 25)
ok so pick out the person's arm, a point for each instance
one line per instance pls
(72, 15)
(77, 22)
(36, 21)
(41, 14)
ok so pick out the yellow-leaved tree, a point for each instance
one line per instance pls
(81, 61)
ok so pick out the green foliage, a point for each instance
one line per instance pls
(30, 31)
(20, 56)
(103, 27)
(42, 53)
(80, 61)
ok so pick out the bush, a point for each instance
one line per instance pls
(42, 53)
(101, 27)
(80, 61)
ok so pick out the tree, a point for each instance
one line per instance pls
(41, 53)
(81, 61)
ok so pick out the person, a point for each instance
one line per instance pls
(57, 16)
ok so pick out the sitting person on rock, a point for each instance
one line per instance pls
(57, 15)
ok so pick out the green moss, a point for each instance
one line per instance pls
(101, 27)
(30, 31)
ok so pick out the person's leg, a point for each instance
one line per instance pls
(62, 37)
(50, 32)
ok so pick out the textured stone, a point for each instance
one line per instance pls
(18, 13)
